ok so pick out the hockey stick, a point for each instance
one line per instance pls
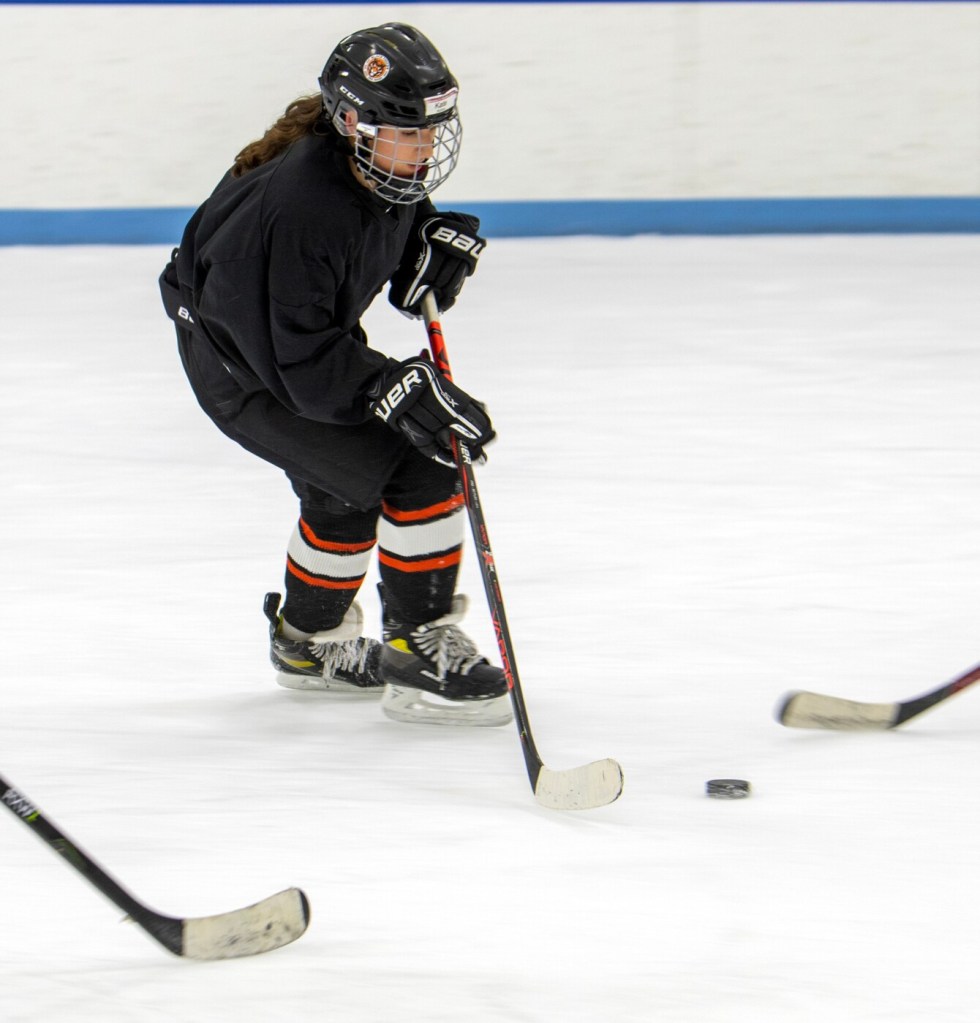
(579, 788)
(814, 710)
(269, 924)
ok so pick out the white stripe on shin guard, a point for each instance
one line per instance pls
(419, 539)
(330, 564)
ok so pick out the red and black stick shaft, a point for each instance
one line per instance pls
(908, 709)
(488, 565)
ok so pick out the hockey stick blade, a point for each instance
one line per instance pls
(269, 924)
(580, 788)
(814, 710)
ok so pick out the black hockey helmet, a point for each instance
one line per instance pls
(392, 77)
(389, 75)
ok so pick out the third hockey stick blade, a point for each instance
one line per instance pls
(814, 710)
(578, 788)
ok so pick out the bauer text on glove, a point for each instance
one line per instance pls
(438, 258)
(413, 398)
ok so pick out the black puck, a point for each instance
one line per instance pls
(727, 788)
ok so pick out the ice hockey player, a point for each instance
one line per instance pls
(266, 289)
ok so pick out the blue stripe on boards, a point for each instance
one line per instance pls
(527, 219)
(731, 216)
(137, 226)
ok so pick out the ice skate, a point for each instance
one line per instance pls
(434, 674)
(340, 660)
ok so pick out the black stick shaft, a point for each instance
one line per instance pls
(488, 565)
(166, 930)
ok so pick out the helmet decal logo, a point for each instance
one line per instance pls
(376, 68)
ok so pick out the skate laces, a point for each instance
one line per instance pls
(447, 646)
(348, 655)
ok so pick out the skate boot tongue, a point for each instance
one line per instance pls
(455, 614)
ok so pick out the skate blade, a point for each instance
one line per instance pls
(320, 684)
(415, 706)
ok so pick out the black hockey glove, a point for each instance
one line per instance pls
(440, 258)
(413, 398)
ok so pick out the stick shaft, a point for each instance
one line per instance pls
(487, 562)
(166, 930)
(914, 707)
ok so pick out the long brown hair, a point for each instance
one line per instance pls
(298, 121)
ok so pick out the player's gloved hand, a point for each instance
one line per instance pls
(413, 398)
(439, 257)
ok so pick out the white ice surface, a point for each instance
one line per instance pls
(726, 468)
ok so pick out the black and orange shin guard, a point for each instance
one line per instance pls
(420, 548)
(327, 559)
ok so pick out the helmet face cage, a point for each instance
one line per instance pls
(434, 152)
(390, 83)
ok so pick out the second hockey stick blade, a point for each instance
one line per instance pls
(269, 924)
(835, 713)
(266, 925)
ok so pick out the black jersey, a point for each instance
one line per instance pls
(279, 266)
